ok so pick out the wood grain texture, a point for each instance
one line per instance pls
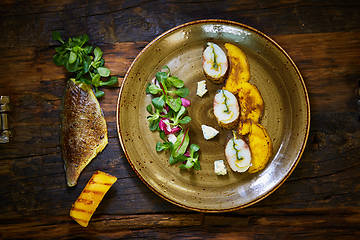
(142, 20)
(285, 224)
(320, 200)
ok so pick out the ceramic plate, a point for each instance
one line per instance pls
(286, 117)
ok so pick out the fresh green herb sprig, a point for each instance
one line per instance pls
(215, 65)
(225, 101)
(166, 104)
(84, 61)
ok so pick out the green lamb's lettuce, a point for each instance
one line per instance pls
(193, 160)
(167, 111)
(84, 61)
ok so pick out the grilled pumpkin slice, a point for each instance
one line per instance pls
(251, 105)
(261, 147)
(239, 68)
(90, 198)
(83, 129)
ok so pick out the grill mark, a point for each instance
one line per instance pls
(80, 210)
(92, 191)
(93, 182)
(85, 201)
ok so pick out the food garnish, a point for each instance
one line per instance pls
(239, 68)
(83, 129)
(209, 132)
(201, 88)
(215, 63)
(226, 109)
(84, 62)
(91, 196)
(219, 167)
(261, 147)
(167, 111)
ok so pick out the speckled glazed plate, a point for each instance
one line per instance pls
(286, 117)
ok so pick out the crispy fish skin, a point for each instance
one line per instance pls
(83, 129)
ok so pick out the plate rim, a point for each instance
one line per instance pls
(261, 34)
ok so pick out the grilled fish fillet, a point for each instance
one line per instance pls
(83, 129)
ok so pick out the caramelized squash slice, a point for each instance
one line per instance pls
(261, 147)
(239, 68)
(251, 106)
(90, 197)
(244, 127)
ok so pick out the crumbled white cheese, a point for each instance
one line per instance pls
(209, 132)
(219, 167)
(201, 88)
(172, 138)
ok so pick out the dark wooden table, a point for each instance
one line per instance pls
(320, 200)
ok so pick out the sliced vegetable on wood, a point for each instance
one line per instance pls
(90, 198)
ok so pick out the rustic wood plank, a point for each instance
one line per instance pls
(110, 226)
(114, 21)
(247, 223)
(329, 67)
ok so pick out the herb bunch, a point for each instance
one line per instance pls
(84, 61)
(167, 111)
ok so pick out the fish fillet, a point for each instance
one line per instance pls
(83, 129)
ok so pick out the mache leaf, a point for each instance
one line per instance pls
(103, 71)
(158, 102)
(176, 82)
(174, 104)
